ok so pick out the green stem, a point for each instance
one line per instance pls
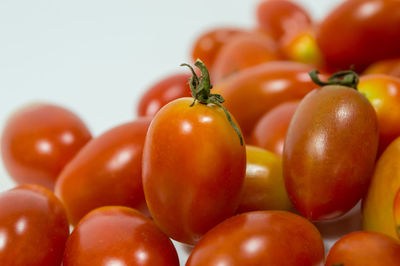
(347, 78)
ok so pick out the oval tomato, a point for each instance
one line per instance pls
(33, 227)
(364, 248)
(193, 166)
(161, 93)
(270, 131)
(107, 171)
(39, 140)
(329, 152)
(260, 238)
(118, 236)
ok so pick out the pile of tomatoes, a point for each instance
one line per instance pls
(238, 158)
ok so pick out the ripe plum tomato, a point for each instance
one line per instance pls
(365, 31)
(389, 67)
(264, 188)
(107, 171)
(270, 131)
(396, 211)
(193, 164)
(281, 17)
(116, 235)
(33, 227)
(260, 238)
(254, 91)
(364, 248)
(161, 93)
(243, 51)
(39, 140)
(330, 150)
(208, 45)
(383, 91)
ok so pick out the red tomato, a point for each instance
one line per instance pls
(383, 92)
(364, 248)
(208, 45)
(260, 238)
(193, 166)
(360, 32)
(396, 211)
(243, 51)
(253, 92)
(118, 236)
(161, 93)
(270, 131)
(33, 227)
(39, 140)
(107, 171)
(281, 17)
(329, 152)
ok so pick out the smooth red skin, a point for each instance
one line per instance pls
(329, 152)
(396, 212)
(39, 140)
(360, 32)
(107, 171)
(365, 248)
(260, 238)
(281, 17)
(193, 169)
(118, 236)
(243, 51)
(270, 131)
(168, 89)
(251, 93)
(208, 45)
(33, 227)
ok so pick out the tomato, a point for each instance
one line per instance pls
(243, 51)
(168, 89)
(208, 44)
(360, 32)
(263, 188)
(107, 171)
(396, 211)
(39, 140)
(117, 235)
(270, 131)
(364, 248)
(33, 227)
(329, 152)
(252, 92)
(193, 165)
(378, 213)
(260, 238)
(383, 92)
(389, 66)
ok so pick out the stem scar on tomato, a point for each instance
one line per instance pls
(201, 92)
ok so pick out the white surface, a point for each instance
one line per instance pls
(96, 57)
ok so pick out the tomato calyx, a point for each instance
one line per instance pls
(200, 87)
(347, 78)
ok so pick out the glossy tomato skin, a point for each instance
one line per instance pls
(167, 89)
(193, 169)
(329, 152)
(39, 140)
(116, 235)
(365, 248)
(264, 187)
(208, 45)
(270, 131)
(260, 238)
(33, 227)
(365, 31)
(383, 91)
(251, 93)
(281, 17)
(107, 171)
(243, 51)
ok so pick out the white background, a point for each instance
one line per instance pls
(97, 57)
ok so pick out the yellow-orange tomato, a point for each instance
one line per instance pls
(378, 204)
(264, 188)
(390, 67)
(396, 211)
